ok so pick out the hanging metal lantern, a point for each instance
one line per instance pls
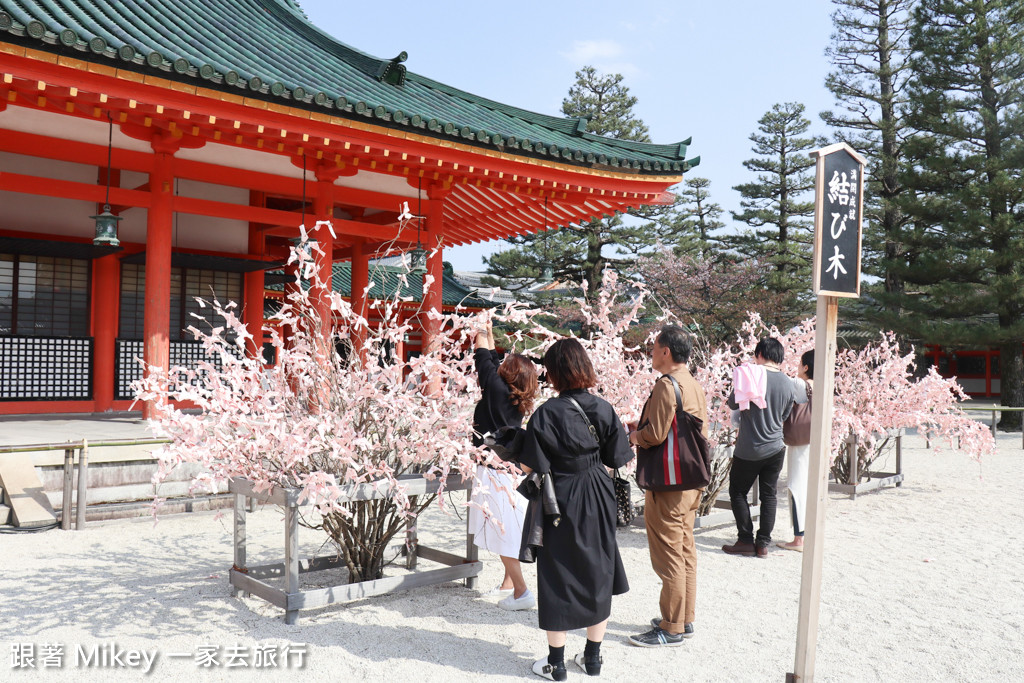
(106, 222)
(305, 245)
(418, 260)
(106, 228)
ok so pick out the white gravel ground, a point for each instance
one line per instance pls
(921, 583)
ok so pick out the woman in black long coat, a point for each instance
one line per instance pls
(578, 568)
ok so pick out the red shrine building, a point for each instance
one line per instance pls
(213, 129)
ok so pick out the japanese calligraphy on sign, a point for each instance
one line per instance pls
(837, 221)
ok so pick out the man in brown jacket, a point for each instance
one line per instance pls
(669, 515)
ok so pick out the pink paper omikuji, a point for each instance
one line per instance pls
(320, 421)
(875, 389)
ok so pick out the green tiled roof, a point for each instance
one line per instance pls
(385, 280)
(268, 49)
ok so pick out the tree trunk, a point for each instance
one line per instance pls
(1011, 384)
(594, 266)
(889, 176)
(363, 535)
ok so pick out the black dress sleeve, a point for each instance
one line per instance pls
(486, 362)
(615, 448)
(535, 440)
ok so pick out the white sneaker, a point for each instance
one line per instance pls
(524, 601)
(497, 592)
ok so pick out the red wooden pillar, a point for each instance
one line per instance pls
(323, 210)
(435, 268)
(291, 290)
(159, 223)
(431, 327)
(252, 314)
(106, 289)
(360, 281)
(400, 320)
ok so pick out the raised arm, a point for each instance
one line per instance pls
(485, 336)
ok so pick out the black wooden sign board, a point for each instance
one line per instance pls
(839, 208)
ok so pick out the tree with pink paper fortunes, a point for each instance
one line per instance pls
(624, 372)
(321, 421)
(876, 393)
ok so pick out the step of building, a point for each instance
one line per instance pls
(23, 492)
(173, 506)
(131, 493)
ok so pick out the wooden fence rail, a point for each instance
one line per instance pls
(994, 410)
(69, 448)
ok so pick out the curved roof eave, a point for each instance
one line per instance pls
(268, 49)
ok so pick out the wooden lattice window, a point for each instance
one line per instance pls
(183, 354)
(186, 285)
(44, 296)
(36, 368)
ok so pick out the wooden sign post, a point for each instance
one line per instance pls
(838, 210)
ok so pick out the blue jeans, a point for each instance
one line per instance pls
(741, 479)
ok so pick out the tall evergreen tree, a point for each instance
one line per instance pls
(870, 60)
(607, 104)
(779, 206)
(966, 195)
(581, 252)
(701, 219)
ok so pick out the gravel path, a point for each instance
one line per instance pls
(921, 583)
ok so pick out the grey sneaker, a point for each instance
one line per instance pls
(657, 637)
(687, 630)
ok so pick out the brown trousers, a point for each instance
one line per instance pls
(669, 517)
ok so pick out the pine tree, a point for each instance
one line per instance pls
(870, 58)
(607, 104)
(965, 196)
(581, 252)
(779, 206)
(701, 219)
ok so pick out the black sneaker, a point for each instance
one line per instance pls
(657, 637)
(552, 672)
(687, 629)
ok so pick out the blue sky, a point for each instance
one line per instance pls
(702, 69)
